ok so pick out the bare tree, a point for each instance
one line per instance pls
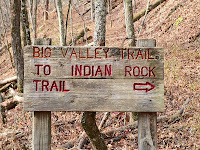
(31, 4)
(34, 5)
(16, 42)
(4, 20)
(46, 10)
(88, 119)
(134, 3)
(66, 22)
(128, 8)
(144, 18)
(26, 39)
(3, 26)
(2, 110)
(61, 22)
(92, 10)
(30, 13)
(84, 27)
(100, 23)
(71, 21)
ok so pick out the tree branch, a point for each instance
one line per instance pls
(139, 15)
(144, 18)
(83, 23)
(10, 104)
(8, 80)
(159, 119)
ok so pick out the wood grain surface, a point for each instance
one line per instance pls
(91, 89)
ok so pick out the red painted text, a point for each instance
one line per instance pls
(87, 70)
(137, 71)
(53, 86)
(41, 52)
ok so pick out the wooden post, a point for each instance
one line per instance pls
(2, 110)
(41, 130)
(42, 119)
(147, 121)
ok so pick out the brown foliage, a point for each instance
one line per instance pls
(182, 72)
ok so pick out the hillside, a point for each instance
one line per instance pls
(176, 27)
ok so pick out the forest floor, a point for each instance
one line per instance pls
(178, 32)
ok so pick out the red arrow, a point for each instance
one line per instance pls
(139, 86)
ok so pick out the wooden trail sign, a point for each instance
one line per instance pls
(93, 79)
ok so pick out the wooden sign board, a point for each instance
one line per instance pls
(93, 79)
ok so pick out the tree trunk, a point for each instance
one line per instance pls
(134, 3)
(128, 8)
(2, 110)
(30, 14)
(61, 23)
(92, 12)
(3, 24)
(46, 10)
(16, 42)
(26, 39)
(89, 124)
(71, 21)
(66, 22)
(80, 35)
(23, 32)
(31, 4)
(100, 23)
(34, 19)
(88, 120)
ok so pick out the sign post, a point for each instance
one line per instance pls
(147, 121)
(41, 119)
(94, 79)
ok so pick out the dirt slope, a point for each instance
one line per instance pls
(177, 31)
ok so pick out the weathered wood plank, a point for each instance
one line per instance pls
(94, 95)
(112, 69)
(97, 78)
(90, 53)
(65, 67)
(84, 52)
